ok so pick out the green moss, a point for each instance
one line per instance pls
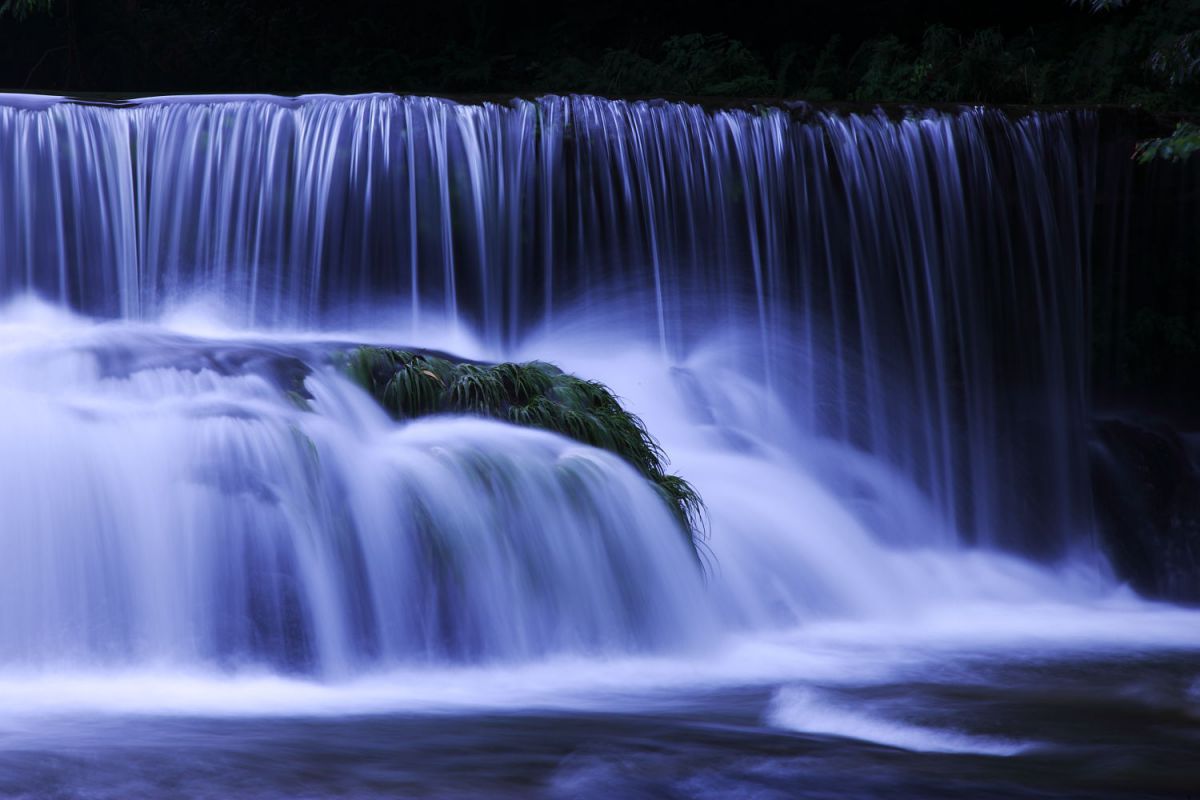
(536, 395)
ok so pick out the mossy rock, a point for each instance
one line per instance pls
(410, 385)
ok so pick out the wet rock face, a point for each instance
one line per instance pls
(1146, 489)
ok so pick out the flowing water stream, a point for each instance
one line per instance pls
(863, 340)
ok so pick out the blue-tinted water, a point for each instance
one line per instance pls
(861, 339)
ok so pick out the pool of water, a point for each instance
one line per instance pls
(978, 726)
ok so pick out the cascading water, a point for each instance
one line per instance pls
(879, 263)
(862, 338)
(194, 515)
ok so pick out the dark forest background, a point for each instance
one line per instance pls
(1019, 51)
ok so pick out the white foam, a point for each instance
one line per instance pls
(804, 711)
(802, 590)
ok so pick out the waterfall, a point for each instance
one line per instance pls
(160, 505)
(916, 284)
(878, 322)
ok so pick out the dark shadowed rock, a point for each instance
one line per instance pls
(1147, 499)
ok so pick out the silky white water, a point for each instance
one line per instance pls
(181, 537)
(201, 515)
(914, 287)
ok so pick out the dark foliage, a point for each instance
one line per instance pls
(536, 395)
(1181, 144)
(1023, 51)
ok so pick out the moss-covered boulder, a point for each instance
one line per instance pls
(411, 384)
